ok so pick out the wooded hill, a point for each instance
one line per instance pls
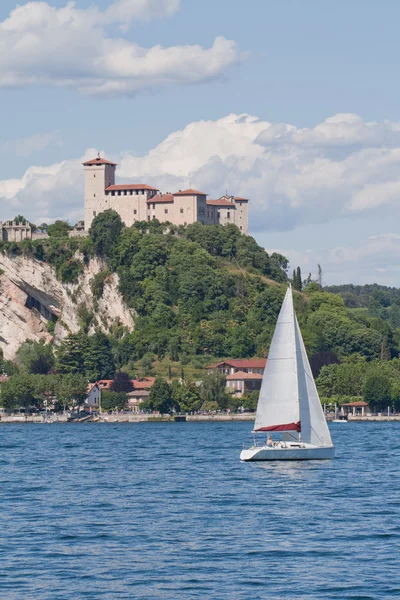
(207, 292)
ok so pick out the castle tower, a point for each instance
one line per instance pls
(99, 174)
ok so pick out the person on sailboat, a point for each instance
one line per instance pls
(270, 441)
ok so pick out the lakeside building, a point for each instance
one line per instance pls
(233, 365)
(143, 202)
(243, 376)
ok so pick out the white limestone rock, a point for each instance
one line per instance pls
(25, 278)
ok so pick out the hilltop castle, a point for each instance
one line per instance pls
(142, 202)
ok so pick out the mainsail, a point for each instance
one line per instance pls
(288, 398)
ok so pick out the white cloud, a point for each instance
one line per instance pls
(289, 182)
(70, 47)
(31, 144)
(375, 259)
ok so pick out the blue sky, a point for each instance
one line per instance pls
(294, 63)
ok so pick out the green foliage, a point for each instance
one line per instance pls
(98, 358)
(35, 357)
(161, 398)
(213, 389)
(186, 396)
(71, 390)
(377, 391)
(69, 271)
(113, 400)
(18, 392)
(105, 232)
(59, 229)
(98, 282)
(249, 402)
(71, 354)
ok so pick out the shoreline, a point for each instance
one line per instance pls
(144, 418)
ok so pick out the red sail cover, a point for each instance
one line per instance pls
(285, 427)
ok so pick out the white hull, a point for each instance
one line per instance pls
(288, 451)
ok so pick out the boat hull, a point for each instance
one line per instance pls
(288, 452)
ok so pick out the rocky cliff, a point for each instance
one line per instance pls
(31, 297)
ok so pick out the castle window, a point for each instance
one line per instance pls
(135, 211)
(94, 195)
(125, 193)
(94, 175)
(182, 211)
(94, 213)
(148, 218)
(119, 193)
(154, 206)
(241, 228)
(228, 215)
(154, 216)
(112, 193)
(166, 211)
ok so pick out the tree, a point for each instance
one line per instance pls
(98, 359)
(104, 232)
(71, 390)
(385, 351)
(213, 389)
(71, 354)
(249, 402)
(122, 383)
(377, 391)
(186, 396)
(35, 357)
(147, 365)
(18, 392)
(299, 282)
(59, 229)
(160, 398)
(113, 400)
(209, 406)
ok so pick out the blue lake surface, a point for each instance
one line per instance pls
(168, 511)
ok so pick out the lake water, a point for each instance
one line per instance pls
(168, 511)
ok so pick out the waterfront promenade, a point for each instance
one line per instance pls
(148, 418)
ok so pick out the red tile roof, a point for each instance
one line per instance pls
(98, 161)
(131, 186)
(239, 199)
(221, 202)
(241, 363)
(105, 383)
(242, 375)
(189, 192)
(144, 383)
(161, 198)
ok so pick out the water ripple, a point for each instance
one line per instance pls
(167, 511)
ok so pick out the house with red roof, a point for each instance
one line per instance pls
(243, 375)
(143, 202)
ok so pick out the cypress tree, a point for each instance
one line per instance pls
(298, 279)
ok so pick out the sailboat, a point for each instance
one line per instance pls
(289, 401)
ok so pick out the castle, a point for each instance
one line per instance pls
(142, 202)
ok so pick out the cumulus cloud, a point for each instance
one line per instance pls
(71, 47)
(374, 259)
(289, 181)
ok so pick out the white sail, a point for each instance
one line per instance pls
(314, 428)
(278, 404)
(288, 398)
